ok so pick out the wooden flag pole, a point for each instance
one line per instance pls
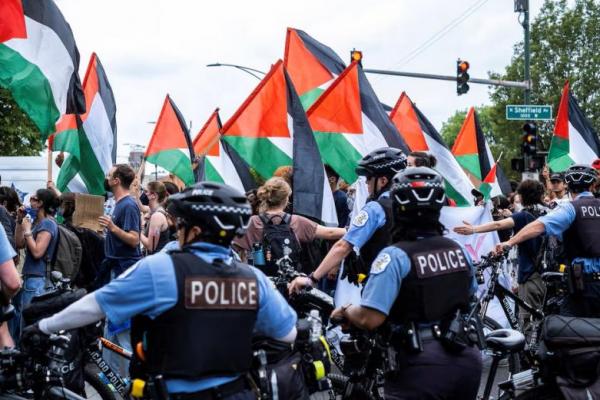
(140, 171)
(49, 163)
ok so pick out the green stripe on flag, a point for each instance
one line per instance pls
(68, 170)
(470, 162)
(175, 162)
(558, 156)
(30, 89)
(339, 154)
(260, 153)
(91, 171)
(308, 98)
(211, 173)
(454, 195)
(67, 141)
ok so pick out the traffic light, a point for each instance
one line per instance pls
(462, 77)
(356, 55)
(529, 138)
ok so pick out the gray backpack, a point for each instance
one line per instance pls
(67, 254)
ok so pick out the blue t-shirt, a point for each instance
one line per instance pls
(126, 215)
(6, 250)
(150, 288)
(388, 270)
(559, 220)
(364, 224)
(341, 208)
(529, 249)
(37, 267)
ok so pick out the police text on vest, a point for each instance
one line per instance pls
(439, 262)
(221, 293)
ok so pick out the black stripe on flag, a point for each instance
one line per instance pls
(108, 99)
(372, 108)
(241, 167)
(183, 125)
(324, 54)
(309, 174)
(427, 127)
(47, 13)
(580, 122)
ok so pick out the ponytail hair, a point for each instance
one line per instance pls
(49, 199)
(274, 193)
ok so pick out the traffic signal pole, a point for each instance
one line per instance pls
(490, 82)
(526, 50)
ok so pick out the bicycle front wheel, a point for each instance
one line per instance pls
(95, 388)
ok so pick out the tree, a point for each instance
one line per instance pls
(20, 137)
(565, 45)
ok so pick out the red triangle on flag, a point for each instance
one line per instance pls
(466, 141)
(561, 127)
(491, 176)
(264, 113)
(12, 20)
(304, 68)
(208, 136)
(339, 108)
(168, 132)
(405, 118)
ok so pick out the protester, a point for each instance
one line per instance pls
(37, 233)
(121, 246)
(339, 197)
(156, 232)
(421, 159)
(9, 203)
(10, 283)
(274, 196)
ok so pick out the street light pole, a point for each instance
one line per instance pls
(527, 51)
(247, 70)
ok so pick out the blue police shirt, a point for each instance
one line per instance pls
(559, 220)
(390, 267)
(126, 216)
(150, 288)
(364, 224)
(6, 250)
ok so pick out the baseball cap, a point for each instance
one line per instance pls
(596, 164)
(557, 176)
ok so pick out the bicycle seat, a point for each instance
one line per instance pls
(505, 340)
(552, 276)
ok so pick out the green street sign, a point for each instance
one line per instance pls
(529, 112)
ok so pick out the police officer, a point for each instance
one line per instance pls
(370, 228)
(194, 311)
(418, 285)
(579, 224)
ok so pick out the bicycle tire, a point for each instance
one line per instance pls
(92, 379)
(514, 362)
(338, 382)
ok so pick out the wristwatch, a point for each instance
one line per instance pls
(312, 278)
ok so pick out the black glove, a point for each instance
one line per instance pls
(32, 337)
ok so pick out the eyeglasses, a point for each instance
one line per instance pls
(34, 199)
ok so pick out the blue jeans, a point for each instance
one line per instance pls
(32, 286)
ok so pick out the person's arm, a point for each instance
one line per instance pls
(11, 281)
(361, 317)
(329, 233)
(38, 246)
(19, 238)
(157, 221)
(468, 229)
(83, 312)
(530, 231)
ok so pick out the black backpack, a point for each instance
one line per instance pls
(276, 236)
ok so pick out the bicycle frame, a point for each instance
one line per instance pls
(95, 355)
(503, 296)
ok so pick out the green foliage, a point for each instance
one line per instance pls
(18, 135)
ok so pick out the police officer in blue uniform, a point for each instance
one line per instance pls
(418, 286)
(579, 224)
(370, 228)
(195, 310)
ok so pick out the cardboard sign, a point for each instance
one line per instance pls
(88, 208)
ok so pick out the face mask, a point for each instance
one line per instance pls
(106, 185)
(518, 207)
(59, 212)
(32, 212)
(144, 199)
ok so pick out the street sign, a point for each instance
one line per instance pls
(529, 112)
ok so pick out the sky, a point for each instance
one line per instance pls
(153, 47)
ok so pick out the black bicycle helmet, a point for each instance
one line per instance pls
(221, 211)
(418, 189)
(580, 177)
(386, 161)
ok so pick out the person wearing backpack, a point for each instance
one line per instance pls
(531, 286)
(37, 233)
(272, 227)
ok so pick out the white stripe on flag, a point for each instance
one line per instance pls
(450, 169)
(370, 139)
(226, 169)
(328, 211)
(76, 185)
(99, 132)
(496, 191)
(579, 151)
(44, 49)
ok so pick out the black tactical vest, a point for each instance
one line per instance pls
(438, 282)
(582, 239)
(382, 236)
(209, 331)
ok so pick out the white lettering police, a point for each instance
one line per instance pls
(221, 293)
(440, 262)
(590, 211)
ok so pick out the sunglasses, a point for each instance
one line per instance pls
(34, 199)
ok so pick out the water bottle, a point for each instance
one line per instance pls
(258, 256)
(316, 326)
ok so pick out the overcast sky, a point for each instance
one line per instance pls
(153, 47)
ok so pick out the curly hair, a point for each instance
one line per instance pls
(531, 192)
(274, 193)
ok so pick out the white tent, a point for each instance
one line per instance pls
(26, 173)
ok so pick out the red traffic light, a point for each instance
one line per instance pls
(463, 66)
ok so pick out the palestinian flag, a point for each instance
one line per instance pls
(420, 135)
(488, 183)
(39, 61)
(170, 146)
(220, 162)
(271, 130)
(574, 140)
(96, 134)
(343, 123)
(473, 153)
(311, 65)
